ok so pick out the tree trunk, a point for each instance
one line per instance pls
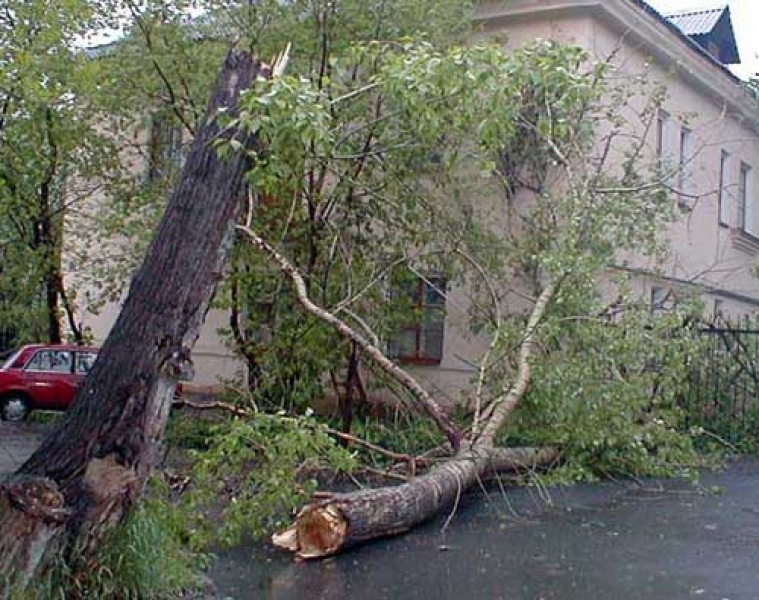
(54, 333)
(89, 473)
(328, 527)
(76, 328)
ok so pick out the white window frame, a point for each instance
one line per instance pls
(745, 200)
(723, 206)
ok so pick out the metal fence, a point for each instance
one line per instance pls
(724, 395)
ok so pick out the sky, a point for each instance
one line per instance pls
(745, 18)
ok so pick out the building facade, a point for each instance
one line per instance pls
(706, 130)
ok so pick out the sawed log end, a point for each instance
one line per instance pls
(318, 531)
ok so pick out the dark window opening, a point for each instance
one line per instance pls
(420, 339)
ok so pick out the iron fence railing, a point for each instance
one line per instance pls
(724, 391)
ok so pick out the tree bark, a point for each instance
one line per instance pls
(91, 470)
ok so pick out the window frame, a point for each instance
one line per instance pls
(684, 174)
(29, 367)
(419, 323)
(743, 196)
(662, 119)
(658, 299)
(718, 310)
(723, 215)
(79, 355)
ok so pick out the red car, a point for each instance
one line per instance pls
(42, 377)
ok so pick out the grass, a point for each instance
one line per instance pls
(144, 559)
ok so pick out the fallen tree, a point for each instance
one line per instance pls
(327, 527)
(89, 473)
(344, 520)
(569, 213)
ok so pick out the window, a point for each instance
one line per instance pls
(165, 153)
(51, 361)
(745, 212)
(84, 361)
(685, 167)
(719, 310)
(722, 195)
(420, 338)
(659, 297)
(713, 48)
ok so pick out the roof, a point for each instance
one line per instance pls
(707, 26)
(643, 4)
(696, 21)
(63, 346)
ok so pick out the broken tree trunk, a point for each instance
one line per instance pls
(89, 473)
(328, 527)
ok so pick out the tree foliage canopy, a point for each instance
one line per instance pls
(391, 152)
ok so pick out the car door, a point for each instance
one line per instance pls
(49, 378)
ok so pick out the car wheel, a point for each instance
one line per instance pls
(14, 408)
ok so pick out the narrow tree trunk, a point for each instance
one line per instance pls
(76, 328)
(328, 527)
(54, 334)
(89, 473)
(353, 383)
(50, 235)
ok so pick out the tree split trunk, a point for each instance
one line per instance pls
(329, 527)
(326, 528)
(89, 473)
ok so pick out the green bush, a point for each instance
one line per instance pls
(609, 394)
(186, 430)
(404, 433)
(255, 474)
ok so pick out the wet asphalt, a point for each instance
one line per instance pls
(663, 540)
(652, 540)
(17, 442)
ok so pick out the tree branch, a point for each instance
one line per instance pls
(432, 408)
(503, 407)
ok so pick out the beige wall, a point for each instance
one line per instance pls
(715, 260)
(212, 360)
(705, 258)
